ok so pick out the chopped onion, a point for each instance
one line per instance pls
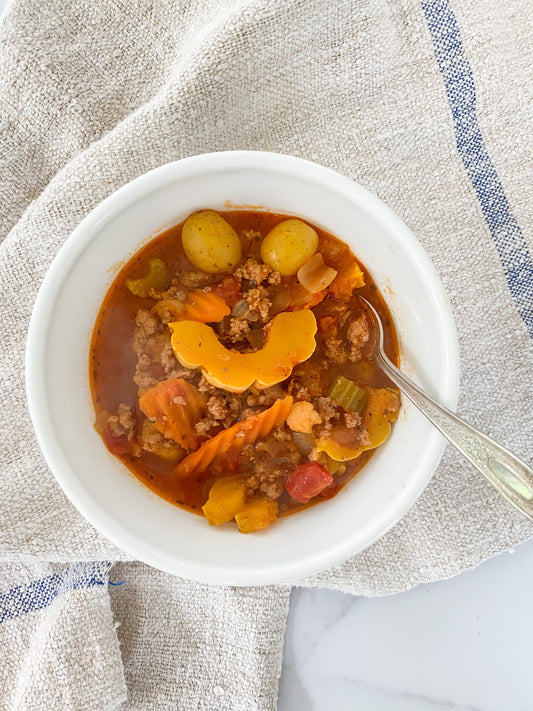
(256, 338)
(314, 275)
(223, 325)
(281, 463)
(280, 298)
(241, 308)
(304, 442)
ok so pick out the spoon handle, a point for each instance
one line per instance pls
(511, 477)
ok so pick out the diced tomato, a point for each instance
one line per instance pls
(117, 445)
(307, 480)
(228, 289)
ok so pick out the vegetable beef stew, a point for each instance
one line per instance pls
(231, 371)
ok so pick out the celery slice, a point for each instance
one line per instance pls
(348, 394)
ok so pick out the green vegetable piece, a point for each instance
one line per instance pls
(156, 278)
(348, 394)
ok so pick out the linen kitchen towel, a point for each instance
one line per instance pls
(429, 105)
(157, 641)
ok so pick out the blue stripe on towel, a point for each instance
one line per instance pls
(40, 593)
(461, 91)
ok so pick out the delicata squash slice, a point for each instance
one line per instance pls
(290, 340)
(230, 367)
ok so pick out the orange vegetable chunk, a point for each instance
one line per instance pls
(174, 406)
(199, 305)
(226, 498)
(349, 273)
(300, 298)
(290, 340)
(247, 431)
(258, 513)
(349, 277)
(206, 307)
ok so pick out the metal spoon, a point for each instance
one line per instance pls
(511, 477)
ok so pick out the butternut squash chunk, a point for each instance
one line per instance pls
(349, 273)
(258, 513)
(226, 498)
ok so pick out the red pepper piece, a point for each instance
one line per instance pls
(307, 480)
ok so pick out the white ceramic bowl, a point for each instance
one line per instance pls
(116, 503)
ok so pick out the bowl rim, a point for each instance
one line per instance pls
(44, 306)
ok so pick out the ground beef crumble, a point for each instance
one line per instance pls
(147, 325)
(123, 423)
(174, 291)
(335, 349)
(358, 335)
(253, 271)
(153, 441)
(330, 415)
(195, 279)
(217, 406)
(327, 408)
(259, 302)
(271, 461)
(155, 358)
(204, 386)
(257, 272)
(220, 402)
(352, 419)
(305, 381)
(237, 330)
(205, 425)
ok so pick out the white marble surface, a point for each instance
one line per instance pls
(461, 644)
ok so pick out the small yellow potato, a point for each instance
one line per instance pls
(288, 246)
(210, 243)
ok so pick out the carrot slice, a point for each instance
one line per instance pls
(234, 438)
(175, 406)
(199, 305)
(206, 307)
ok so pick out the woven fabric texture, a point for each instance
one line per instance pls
(428, 104)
